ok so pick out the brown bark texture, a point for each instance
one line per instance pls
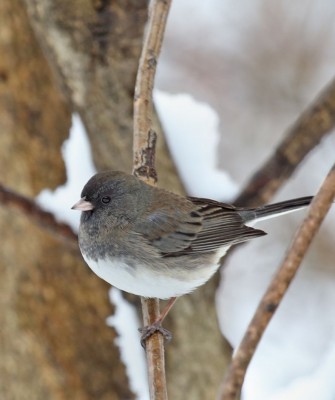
(54, 340)
(144, 167)
(94, 49)
(53, 337)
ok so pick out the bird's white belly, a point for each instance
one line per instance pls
(145, 281)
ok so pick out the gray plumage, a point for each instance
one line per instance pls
(154, 240)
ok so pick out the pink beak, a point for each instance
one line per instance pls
(83, 205)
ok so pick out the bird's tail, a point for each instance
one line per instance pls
(272, 210)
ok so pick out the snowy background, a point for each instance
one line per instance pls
(257, 64)
(232, 78)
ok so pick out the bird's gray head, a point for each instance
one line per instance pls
(113, 194)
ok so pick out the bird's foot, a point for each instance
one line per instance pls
(149, 330)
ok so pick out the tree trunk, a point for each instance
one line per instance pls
(59, 307)
(54, 340)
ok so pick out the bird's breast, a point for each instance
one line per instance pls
(158, 281)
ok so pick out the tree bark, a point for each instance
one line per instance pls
(55, 308)
(94, 49)
(53, 337)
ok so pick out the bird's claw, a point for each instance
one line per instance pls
(149, 330)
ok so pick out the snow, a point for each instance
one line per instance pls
(189, 125)
(60, 201)
(319, 384)
(126, 323)
(295, 359)
(299, 338)
(212, 55)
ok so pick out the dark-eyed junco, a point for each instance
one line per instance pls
(153, 243)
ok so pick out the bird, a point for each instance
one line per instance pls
(151, 242)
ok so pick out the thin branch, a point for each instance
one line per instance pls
(144, 168)
(314, 123)
(143, 105)
(155, 351)
(320, 205)
(38, 215)
(300, 139)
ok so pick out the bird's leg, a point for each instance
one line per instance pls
(156, 326)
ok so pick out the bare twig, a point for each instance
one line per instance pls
(143, 107)
(278, 287)
(38, 215)
(317, 121)
(314, 123)
(155, 351)
(144, 168)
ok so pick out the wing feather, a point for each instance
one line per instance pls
(197, 226)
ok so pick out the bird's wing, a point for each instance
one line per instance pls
(168, 228)
(196, 226)
(222, 225)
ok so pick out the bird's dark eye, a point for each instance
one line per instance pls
(105, 199)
